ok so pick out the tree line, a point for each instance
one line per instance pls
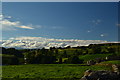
(70, 55)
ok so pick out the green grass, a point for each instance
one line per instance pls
(92, 56)
(6, 55)
(48, 70)
(112, 62)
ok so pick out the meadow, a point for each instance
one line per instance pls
(46, 71)
(111, 62)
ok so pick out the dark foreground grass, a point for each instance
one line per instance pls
(45, 71)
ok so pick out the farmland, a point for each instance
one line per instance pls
(48, 70)
(112, 62)
(58, 63)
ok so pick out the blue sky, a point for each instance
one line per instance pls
(67, 20)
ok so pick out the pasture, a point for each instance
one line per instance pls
(46, 71)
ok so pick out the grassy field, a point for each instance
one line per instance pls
(112, 62)
(48, 70)
(88, 57)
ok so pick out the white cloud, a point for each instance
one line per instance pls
(40, 42)
(9, 23)
(25, 27)
(1, 16)
(12, 25)
(9, 17)
(88, 31)
(102, 35)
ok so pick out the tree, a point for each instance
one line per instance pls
(4, 51)
(104, 50)
(56, 52)
(13, 51)
(90, 51)
(64, 54)
(74, 60)
(95, 48)
(10, 60)
(60, 60)
(111, 50)
(30, 57)
(76, 52)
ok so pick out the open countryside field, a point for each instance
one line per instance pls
(92, 56)
(111, 62)
(55, 63)
(48, 70)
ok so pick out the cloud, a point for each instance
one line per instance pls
(4, 17)
(56, 27)
(96, 22)
(40, 42)
(1, 16)
(88, 31)
(12, 25)
(9, 17)
(25, 27)
(103, 35)
(7, 24)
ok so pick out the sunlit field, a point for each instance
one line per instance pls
(48, 70)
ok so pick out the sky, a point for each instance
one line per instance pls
(60, 20)
(60, 0)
